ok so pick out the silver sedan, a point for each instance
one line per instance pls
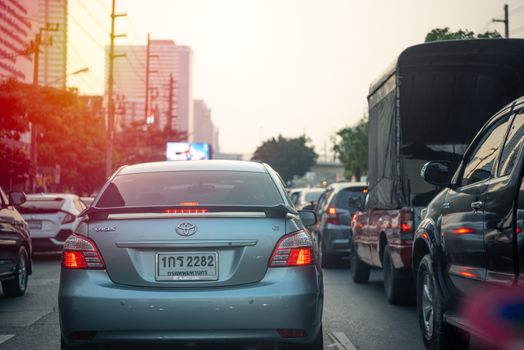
(192, 252)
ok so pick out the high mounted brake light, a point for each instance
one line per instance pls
(294, 249)
(81, 253)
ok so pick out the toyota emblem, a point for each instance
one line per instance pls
(186, 229)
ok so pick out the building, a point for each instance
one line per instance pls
(204, 130)
(20, 21)
(18, 24)
(53, 56)
(170, 68)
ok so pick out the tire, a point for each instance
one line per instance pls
(359, 269)
(318, 343)
(17, 286)
(398, 284)
(431, 306)
(326, 260)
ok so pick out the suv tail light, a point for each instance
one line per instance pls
(406, 221)
(332, 217)
(294, 249)
(68, 218)
(81, 253)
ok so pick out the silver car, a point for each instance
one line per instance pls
(192, 252)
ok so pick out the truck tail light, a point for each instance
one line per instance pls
(294, 249)
(81, 253)
(332, 217)
(406, 221)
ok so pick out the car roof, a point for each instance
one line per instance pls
(344, 185)
(193, 165)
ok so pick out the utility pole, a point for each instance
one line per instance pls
(148, 74)
(36, 63)
(170, 97)
(110, 82)
(505, 21)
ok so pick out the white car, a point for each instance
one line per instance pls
(51, 217)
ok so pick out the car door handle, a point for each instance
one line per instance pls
(477, 206)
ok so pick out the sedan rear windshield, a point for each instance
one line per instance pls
(41, 205)
(342, 200)
(190, 188)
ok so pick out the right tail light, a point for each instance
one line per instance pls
(80, 252)
(294, 249)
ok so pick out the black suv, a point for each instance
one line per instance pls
(334, 212)
(15, 246)
(470, 235)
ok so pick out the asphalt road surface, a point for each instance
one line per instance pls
(355, 316)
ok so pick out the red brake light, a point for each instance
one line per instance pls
(295, 249)
(81, 253)
(518, 229)
(332, 216)
(365, 190)
(68, 218)
(406, 221)
(463, 230)
(185, 211)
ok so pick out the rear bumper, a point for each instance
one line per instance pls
(285, 298)
(337, 240)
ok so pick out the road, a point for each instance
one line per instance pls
(355, 316)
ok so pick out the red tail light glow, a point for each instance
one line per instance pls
(518, 229)
(81, 253)
(406, 221)
(332, 217)
(295, 249)
(463, 230)
(185, 211)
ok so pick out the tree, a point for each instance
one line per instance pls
(290, 157)
(351, 148)
(445, 34)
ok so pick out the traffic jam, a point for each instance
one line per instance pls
(425, 251)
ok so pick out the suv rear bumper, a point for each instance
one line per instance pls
(285, 298)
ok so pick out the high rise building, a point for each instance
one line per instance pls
(18, 24)
(167, 61)
(53, 56)
(204, 130)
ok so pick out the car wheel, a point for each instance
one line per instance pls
(65, 346)
(359, 269)
(17, 286)
(318, 343)
(398, 284)
(436, 334)
(326, 260)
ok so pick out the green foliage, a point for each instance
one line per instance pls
(351, 148)
(445, 34)
(290, 157)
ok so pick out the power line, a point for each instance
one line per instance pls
(105, 9)
(100, 25)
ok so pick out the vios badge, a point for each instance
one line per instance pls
(186, 229)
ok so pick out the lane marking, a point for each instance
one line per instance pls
(5, 337)
(342, 341)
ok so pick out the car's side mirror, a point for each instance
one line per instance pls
(309, 206)
(17, 198)
(437, 173)
(355, 202)
(308, 217)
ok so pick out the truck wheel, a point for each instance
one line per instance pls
(326, 260)
(398, 284)
(17, 286)
(359, 269)
(436, 334)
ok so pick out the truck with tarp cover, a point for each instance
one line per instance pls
(427, 106)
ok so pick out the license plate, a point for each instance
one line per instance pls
(186, 266)
(35, 224)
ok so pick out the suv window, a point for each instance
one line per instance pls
(512, 146)
(481, 160)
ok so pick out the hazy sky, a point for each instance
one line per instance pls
(269, 67)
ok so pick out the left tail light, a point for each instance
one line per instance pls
(68, 218)
(295, 249)
(81, 253)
